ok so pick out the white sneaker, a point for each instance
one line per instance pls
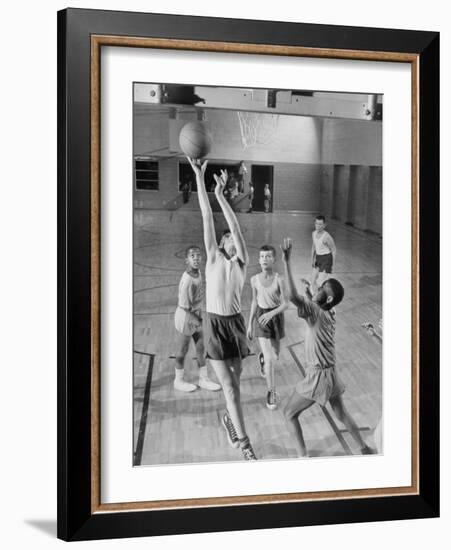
(181, 385)
(208, 384)
(232, 436)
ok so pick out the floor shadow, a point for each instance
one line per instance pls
(47, 526)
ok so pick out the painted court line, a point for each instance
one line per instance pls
(144, 411)
(338, 433)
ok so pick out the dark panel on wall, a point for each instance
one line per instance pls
(297, 187)
(353, 195)
(374, 219)
(358, 196)
(340, 194)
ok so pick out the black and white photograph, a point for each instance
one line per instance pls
(257, 274)
(179, 368)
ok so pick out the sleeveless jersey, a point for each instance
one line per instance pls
(224, 281)
(321, 247)
(268, 297)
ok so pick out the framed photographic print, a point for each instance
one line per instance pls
(248, 274)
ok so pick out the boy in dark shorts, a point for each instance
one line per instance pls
(321, 383)
(188, 323)
(225, 273)
(268, 305)
(324, 253)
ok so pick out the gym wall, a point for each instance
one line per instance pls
(351, 173)
(320, 165)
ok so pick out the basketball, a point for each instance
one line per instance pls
(195, 140)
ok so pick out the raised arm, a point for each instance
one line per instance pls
(230, 217)
(292, 292)
(205, 208)
(307, 288)
(283, 299)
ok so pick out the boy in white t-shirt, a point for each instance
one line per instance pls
(324, 253)
(188, 323)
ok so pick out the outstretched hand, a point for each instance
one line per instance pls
(198, 167)
(286, 249)
(221, 182)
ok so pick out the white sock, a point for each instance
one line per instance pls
(203, 372)
(179, 374)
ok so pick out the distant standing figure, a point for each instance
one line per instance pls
(186, 191)
(267, 193)
(251, 197)
(324, 253)
(242, 171)
(233, 188)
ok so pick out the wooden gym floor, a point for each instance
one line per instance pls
(172, 427)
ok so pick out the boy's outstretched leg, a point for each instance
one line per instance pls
(296, 404)
(343, 416)
(228, 373)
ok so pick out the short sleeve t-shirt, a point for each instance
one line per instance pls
(320, 333)
(191, 292)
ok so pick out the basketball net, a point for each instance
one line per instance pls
(257, 128)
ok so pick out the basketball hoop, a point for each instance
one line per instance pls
(257, 128)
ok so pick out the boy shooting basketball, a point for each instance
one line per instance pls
(188, 323)
(225, 273)
(321, 383)
(324, 253)
(268, 305)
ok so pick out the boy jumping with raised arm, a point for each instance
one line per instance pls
(188, 323)
(321, 383)
(225, 273)
(324, 253)
(268, 305)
